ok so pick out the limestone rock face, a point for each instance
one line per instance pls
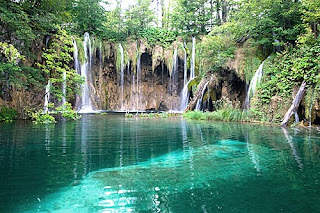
(155, 90)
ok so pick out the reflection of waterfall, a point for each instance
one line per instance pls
(199, 102)
(121, 74)
(64, 136)
(253, 84)
(85, 72)
(253, 157)
(293, 147)
(47, 97)
(121, 146)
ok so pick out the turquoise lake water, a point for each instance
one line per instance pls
(108, 163)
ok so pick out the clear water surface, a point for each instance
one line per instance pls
(107, 163)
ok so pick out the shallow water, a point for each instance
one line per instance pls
(106, 163)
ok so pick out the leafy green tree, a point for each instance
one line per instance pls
(89, 16)
(57, 60)
(190, 16)
(270, 21)
(311, 15)
(139, 17)
(15, 25)
(115, 28)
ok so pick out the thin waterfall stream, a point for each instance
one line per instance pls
(47, 97)
(199, 102)
(253, 84)
(185, 91)
(121, 75)
(86, 105)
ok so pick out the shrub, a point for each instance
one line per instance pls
(7, 114)
(42, 118)
(67, 112)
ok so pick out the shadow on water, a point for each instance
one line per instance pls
(109, 163)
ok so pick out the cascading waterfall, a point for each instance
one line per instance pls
(193, 59)
(132, 91)
(185, 96)
(85, 71)
(174, 71)
(64, 88)
(198, 106)
(185, 90)
(76, 58)
(253, 84)
(185, 68)
(47, 97)
(138, 78)
(121, 74)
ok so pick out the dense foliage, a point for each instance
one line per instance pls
(287, 30)
(57, 61)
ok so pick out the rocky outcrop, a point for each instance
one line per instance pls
(155, 90)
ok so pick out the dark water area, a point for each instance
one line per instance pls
(108, 163)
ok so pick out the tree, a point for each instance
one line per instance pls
(270, 22)
(139, 17)
(89, 16)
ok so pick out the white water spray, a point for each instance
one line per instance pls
(193, 59)
(47, 98)
(85, 71)
(174, 72)
(253, 84)
(199, 102)
(64, 88)
(121, 74)
(138, 77)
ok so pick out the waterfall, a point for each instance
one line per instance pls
(75, 56)
(132, 91)
(100, 56)
(47, 41)
(198, 106)
(138, 76)
(296, 118)
(253, 84)
(47, 97)
(85, 71)
(185, 68)
(185, 96)
(174, 70)
(121, 74)
(185, 90)
(64, 87)
(193, 59)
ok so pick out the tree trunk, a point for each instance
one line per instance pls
(218, 12)
(224, 11)
(295, 104)
(198, 93)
